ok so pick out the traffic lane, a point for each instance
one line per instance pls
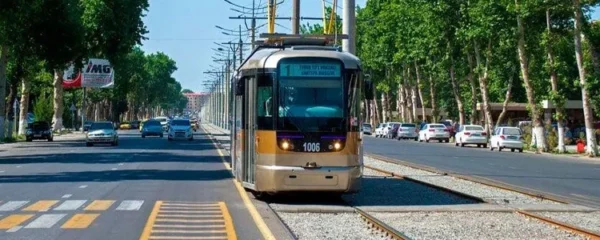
(577, 179)
(147, 170)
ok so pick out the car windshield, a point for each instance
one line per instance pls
(180, 123)
(366, 125)
(473, 128)
(511, 131)
(437, 126)
(101, 126)
(152, 123)
(408, 125)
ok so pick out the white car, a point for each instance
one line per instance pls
(379, 129)
(102, 132)
(366, 128)
(471, 134)
(164, 121)
(181, 129)
(507, 137)
(407, 131)
(386, 131)
(434, 132)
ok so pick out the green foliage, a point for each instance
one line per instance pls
(551, 137)
(42, 109)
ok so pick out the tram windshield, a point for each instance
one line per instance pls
(311, 97)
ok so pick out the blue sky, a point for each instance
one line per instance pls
(185, 30)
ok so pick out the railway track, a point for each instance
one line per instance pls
(562, 225)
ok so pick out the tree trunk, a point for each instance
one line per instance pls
(534, 111)
(456, 92)
(483, 84)
(560, 115)
(3, 62)
(401, 102)
(506, 101)
(587, 108)
(419, 87)
(57, 120)
(376, 112)
(434, 110)
(10, 110)
(25, 88)
(384, 116)
(473, 83)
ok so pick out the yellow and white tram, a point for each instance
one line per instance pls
(296, 116)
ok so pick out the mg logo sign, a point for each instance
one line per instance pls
(97, 68)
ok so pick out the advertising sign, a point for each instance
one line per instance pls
(97, 73)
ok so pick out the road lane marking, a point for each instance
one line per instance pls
(41, 206)
(130, 205)
(189, 231)
(83, 186)
(192, 211)
(70, 205)
(14, 220)
(187, 238)
(191, 205)
(228, 222)
(188, 226)
(46, 221)
(14, 229)
(189, 216)
(67, 195)
(79, 221)
(188, 220)
(151, 220)
(12, 205)
(99, 205)
(258, 220)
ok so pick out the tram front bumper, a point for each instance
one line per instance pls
(286, 178)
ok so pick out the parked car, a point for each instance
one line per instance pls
(164, 121)
(181, 129)
(407, 131)
(393, 132)
(135, 124)
(39, 130)
(86, 125)
(471, 134)
(507, 137)
(102, 132)
(379, 129)
(152, 128)
(125, 125)
(388, 128)
(434, 132)
(367, 128)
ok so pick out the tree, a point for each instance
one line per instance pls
(187, 91)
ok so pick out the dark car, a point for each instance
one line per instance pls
(449, 127)
(134, 124)
(39, 130)
(87, 125)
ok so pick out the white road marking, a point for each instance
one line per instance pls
(120, 164)
(70, 205)
(114, 169)
(19, 166)
(46, 221)
(14, 229)
(130, 205)
(67, 195)
(83, 186)
(12, 205)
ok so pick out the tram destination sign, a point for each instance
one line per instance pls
(310, 70)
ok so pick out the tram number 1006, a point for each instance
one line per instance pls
(312, 147)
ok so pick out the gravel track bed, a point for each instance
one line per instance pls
(381, 190)
(471, 225)
(494, 195)
(328, 226)
(589, 221)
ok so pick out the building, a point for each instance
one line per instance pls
(194, 103)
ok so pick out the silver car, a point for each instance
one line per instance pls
(407, 131)
(102, 132)
(367, 128)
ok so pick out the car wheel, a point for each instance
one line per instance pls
(191, 139)
(520, 150)
(161, 135)
(491, 147)
(170, 139)
(512, 150)
(462, 145)
(426, 139)
(416, 139)
(447, 140)
(484, 145)
(143, 136)
(499, 148)
(440, 140)
(50, 139)
(29, 140)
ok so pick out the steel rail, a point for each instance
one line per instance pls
(375, 224)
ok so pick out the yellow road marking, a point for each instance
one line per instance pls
(260, 223)
(14, 220)
(188, 216)
(40, 206)
(187, 220)
(191, 204)
(190, 208)
(188, 226)
(186, 238)
(228, 222)
(189, 231)
(80, 220)
(190, 212)
(99, 205)
(151, 219)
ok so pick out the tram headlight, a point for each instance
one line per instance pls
(285, 145)
(337, 146)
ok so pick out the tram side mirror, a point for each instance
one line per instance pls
(369, 90)
(239, 87)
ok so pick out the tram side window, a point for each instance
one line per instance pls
(264, 103)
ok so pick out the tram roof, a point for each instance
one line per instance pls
(269, 57)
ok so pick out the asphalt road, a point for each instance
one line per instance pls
(65, 190)
(576, 179)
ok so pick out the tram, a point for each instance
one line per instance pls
(296, 118)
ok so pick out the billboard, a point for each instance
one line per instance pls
(97, 73)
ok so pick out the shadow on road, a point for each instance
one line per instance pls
(120, 175)
(108, 158)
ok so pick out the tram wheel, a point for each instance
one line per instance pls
(263, 196)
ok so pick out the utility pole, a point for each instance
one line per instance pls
(296, 17)
(349, 26)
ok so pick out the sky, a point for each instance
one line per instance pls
(185, 30)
